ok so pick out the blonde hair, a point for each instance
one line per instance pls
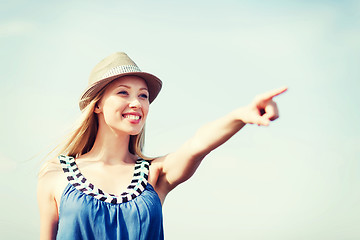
(82, 138)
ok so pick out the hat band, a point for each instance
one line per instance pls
(120, 70)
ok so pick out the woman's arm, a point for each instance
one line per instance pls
(180, 165)
(47, 206)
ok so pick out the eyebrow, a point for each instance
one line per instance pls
(121, 85)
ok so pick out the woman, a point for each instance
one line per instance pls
(103, 187)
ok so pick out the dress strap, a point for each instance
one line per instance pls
(136, 187)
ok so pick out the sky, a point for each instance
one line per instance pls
(295, 179)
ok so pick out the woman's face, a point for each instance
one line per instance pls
(125, 105)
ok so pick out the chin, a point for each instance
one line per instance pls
(134, 131)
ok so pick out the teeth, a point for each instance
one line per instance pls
(134, 117)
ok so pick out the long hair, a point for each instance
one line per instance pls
(82, 138)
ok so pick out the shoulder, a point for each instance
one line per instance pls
(49, 175)
(156, 164)
(157, 161)
(49, 169)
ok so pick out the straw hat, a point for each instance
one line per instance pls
(112, 67)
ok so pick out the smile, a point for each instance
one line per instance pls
(131, 116)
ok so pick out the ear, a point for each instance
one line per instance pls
(97, 108)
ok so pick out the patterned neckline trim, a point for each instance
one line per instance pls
(136, 187)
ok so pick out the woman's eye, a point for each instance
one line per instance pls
(123, 93)
(144, 96)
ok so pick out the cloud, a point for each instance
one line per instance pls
(15, 28)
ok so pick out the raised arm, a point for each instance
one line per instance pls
(180, 165)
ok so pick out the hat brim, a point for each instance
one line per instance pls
(154, 85)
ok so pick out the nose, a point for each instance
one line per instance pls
(134, 103)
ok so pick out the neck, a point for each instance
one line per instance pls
(111, 147)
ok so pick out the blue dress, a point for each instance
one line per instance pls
(87, 212)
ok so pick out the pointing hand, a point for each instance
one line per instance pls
(263, 109)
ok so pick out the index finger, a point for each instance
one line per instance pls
(273, 93)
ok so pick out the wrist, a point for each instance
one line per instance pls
(238, 115)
